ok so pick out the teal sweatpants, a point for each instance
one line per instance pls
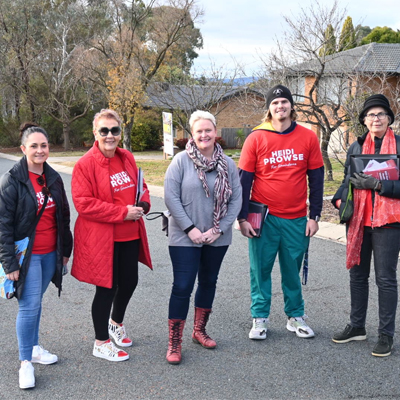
(285, 237)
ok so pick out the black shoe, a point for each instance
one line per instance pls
(349, 333)
(384, 346)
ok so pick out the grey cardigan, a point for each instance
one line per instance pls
(187, 202)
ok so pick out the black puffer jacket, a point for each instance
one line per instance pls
(18, 209)
(389, 188)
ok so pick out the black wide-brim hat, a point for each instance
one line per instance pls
(376, 100)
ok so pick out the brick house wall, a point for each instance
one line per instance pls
(390, 87)
(242, 111)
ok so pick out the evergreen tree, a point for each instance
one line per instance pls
(347, 38)
(361, 32)
(329, 46)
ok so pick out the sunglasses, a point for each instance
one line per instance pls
(42, 182)
(115, 131)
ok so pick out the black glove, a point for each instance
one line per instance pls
(364, 181)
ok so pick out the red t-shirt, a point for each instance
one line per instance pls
(124, 193)
(46, 229)
(280, 163)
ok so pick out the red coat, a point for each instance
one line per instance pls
(94, 227)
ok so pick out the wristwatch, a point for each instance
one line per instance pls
(316, 218)
(220, 231)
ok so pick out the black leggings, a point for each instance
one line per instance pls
(125, 280)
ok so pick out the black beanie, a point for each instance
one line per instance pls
(278, 91)
(376, 100)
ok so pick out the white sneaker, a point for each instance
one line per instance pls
(109, 352)
(42, 356)
(119, 335)
(259, 329)
(26, 375)
(298, 325)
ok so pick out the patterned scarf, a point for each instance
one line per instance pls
(222, 188)
(386, 210)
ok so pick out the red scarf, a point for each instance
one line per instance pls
(386, 210)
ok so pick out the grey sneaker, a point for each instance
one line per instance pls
(42, 356)
(349, 334)
(259, 329)
(298, 325)
(384, 346)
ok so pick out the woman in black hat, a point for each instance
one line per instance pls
(373, 227)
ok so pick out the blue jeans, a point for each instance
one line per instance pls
(189, 262)
(385, 244)
(41, 269)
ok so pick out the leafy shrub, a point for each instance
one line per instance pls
(144, 138)
(181, 143)
(221, 142)
(240, 138)
(147, 131)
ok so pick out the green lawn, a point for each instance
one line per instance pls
(330, 187)
(154, 170)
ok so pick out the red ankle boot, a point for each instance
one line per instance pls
(174, 353)
(199, 335)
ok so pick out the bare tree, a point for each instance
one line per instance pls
(364, 85)
(143, 36)
(20, 32)
(301, 60)
(329, 89)
(214, 91)
(63, 77)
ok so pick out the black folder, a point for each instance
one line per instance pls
(256, 216)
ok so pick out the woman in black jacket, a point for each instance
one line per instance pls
(24, 190)
(373, 228)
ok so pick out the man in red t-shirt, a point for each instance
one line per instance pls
(276, 159)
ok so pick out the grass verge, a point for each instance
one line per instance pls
(154, 170)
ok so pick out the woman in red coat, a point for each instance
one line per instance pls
(110, 236)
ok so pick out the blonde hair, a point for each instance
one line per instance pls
(198, 115)
(108, 114)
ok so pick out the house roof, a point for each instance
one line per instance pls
(370, 58)
(189, 98)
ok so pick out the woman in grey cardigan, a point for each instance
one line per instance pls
(204, 196)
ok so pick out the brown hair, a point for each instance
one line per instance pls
(27, 128)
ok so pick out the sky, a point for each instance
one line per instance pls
(244, 29)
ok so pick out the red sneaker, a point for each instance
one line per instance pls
(118, 333)
(109, 352)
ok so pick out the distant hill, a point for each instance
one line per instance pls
(245, 80)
